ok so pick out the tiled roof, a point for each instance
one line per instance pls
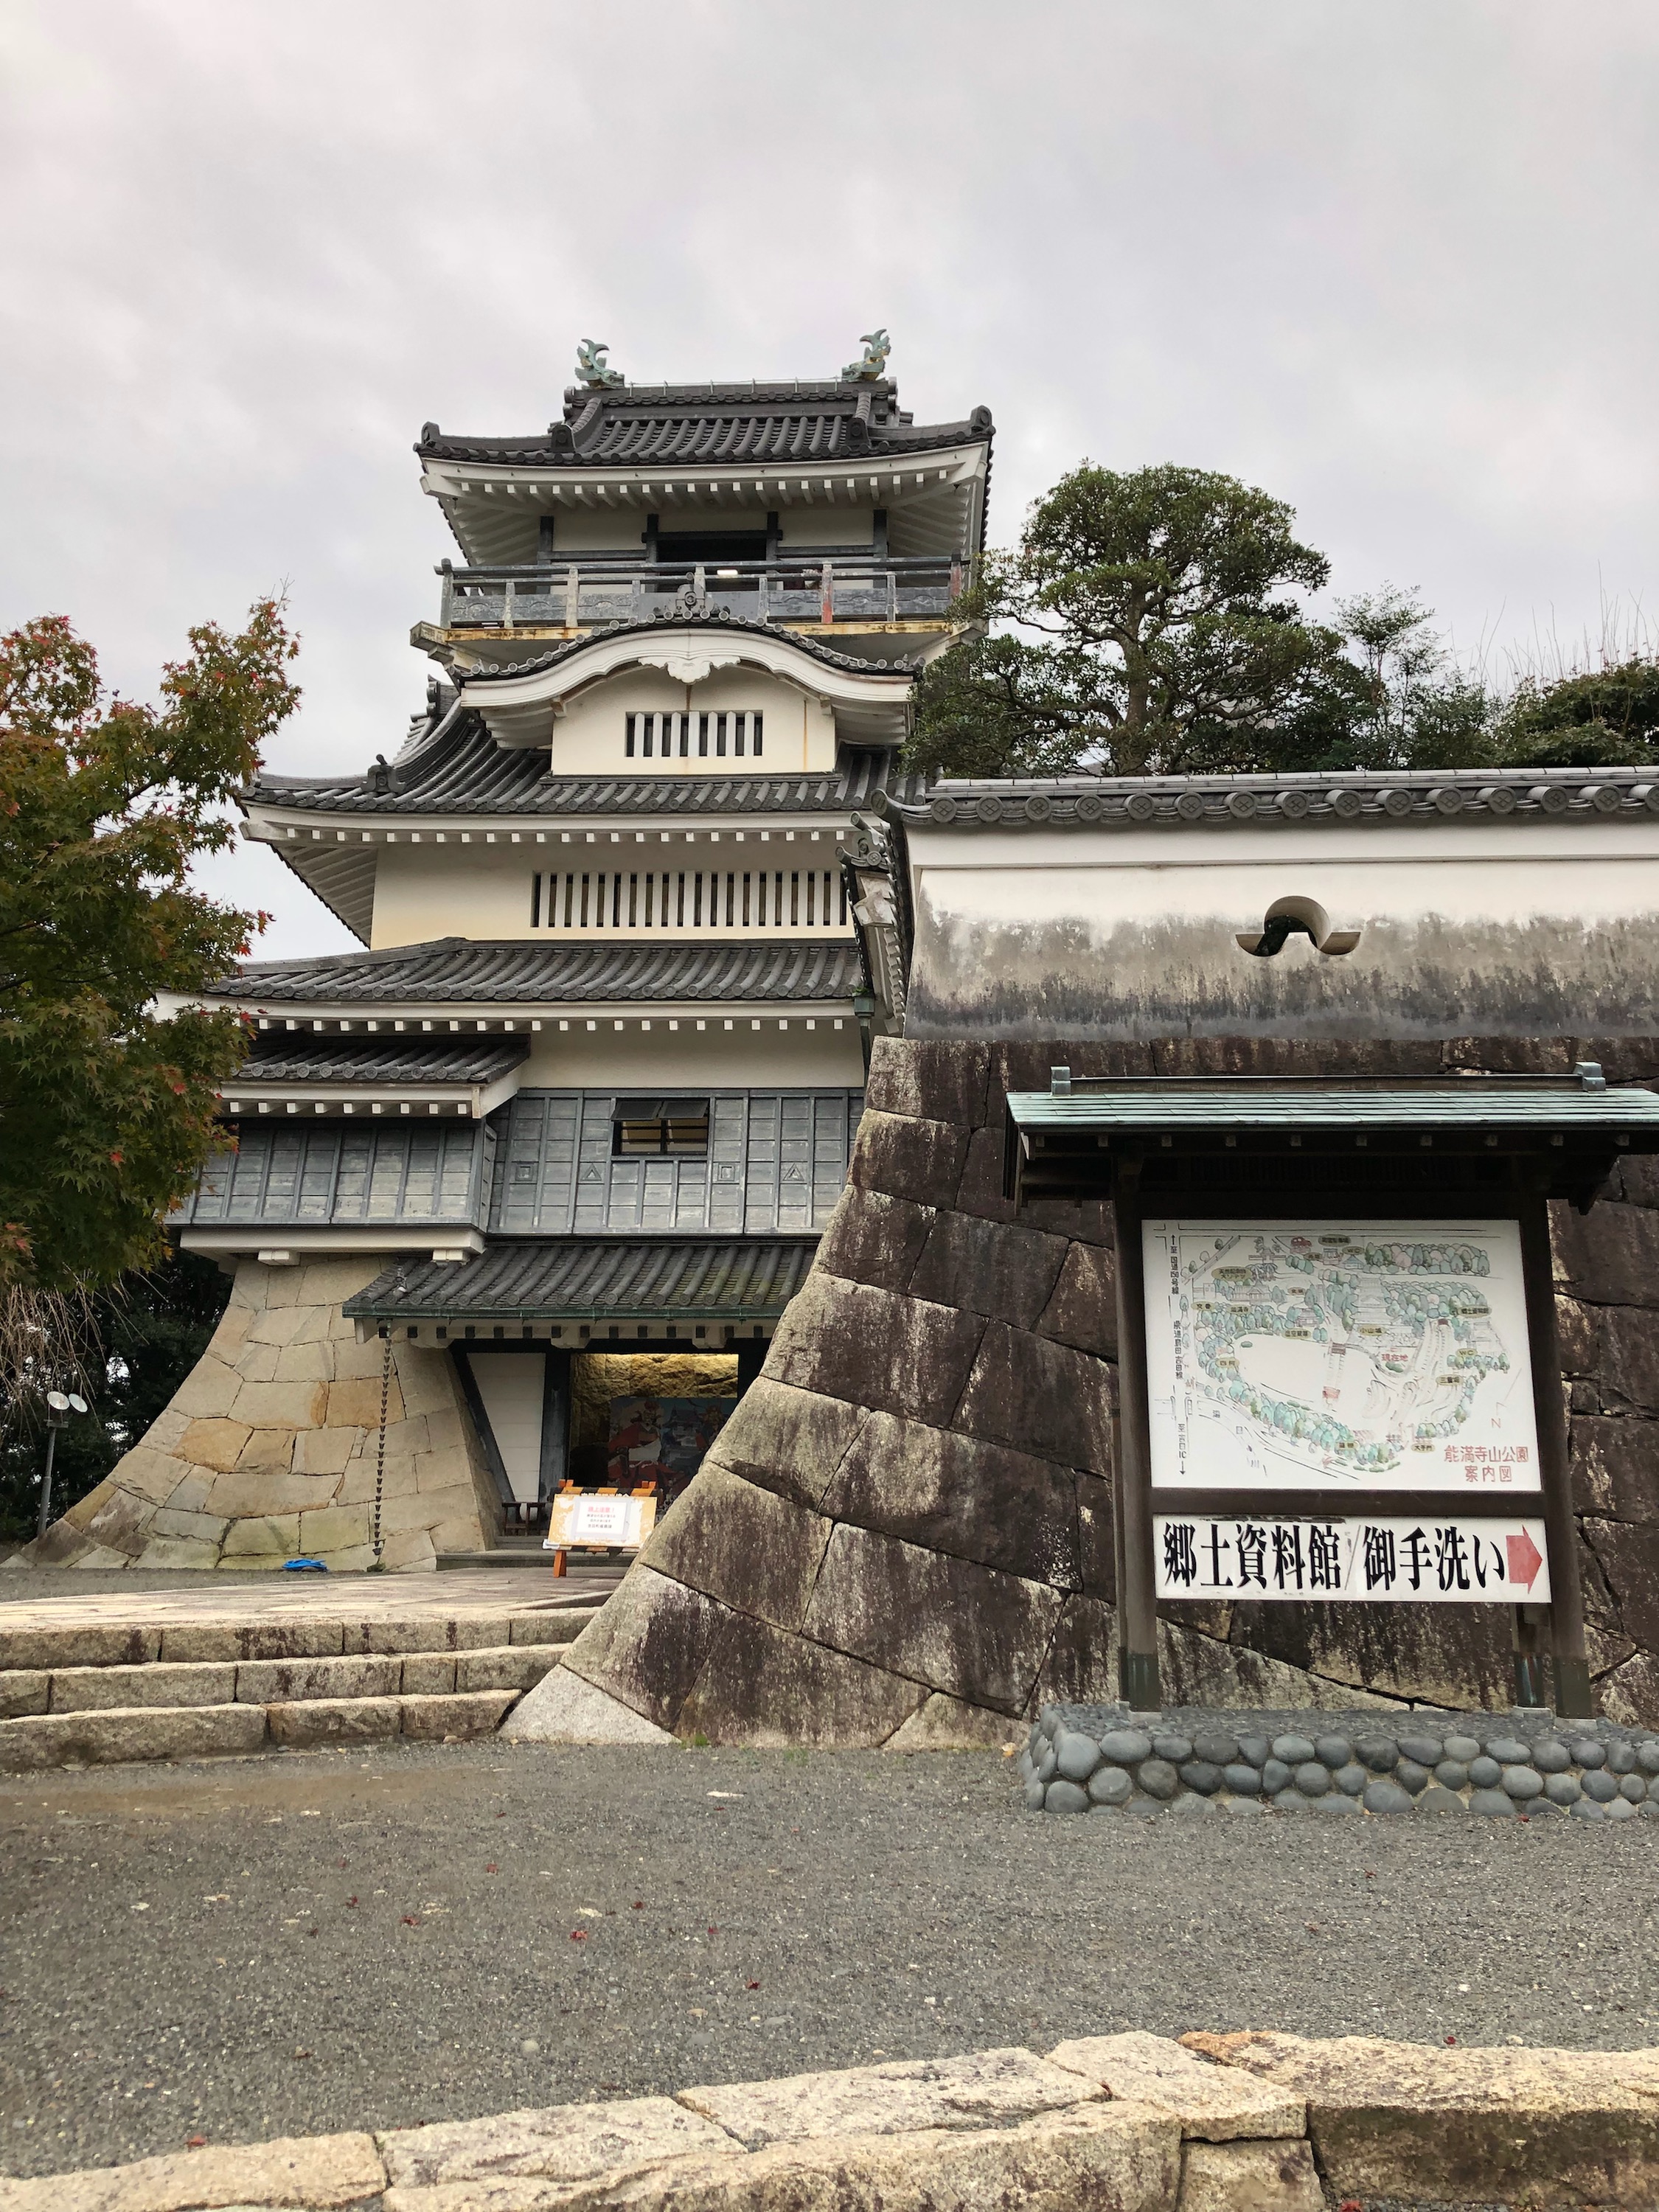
(462, 770)
(726, 425)
(459, 970)
(289, 1057)
(597, 1279)
(1222, 802)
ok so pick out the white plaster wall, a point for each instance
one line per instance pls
(484, 890)
(738, 1058)
(589, 737)
(828, 526)
(606, 530)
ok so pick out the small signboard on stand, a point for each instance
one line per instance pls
(601, 1520)
(1319, 1400)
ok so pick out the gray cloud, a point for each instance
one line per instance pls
(1393, 262)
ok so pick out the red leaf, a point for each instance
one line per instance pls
(751, 1985)
(1451, 2039)
(714, 1931)
(194, 2142)
(639, 1904)
(351, 1901)
(411, 1920)
(578, 1935)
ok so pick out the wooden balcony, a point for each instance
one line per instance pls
(833, 591)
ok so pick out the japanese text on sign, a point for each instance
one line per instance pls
(1436, 1560)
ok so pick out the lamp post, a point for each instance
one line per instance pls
(60, 1404)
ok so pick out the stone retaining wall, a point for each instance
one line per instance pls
(1133, 2122)
(268, 1449)
(1085, 1759)
(904, 1532)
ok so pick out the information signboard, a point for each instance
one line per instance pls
(1362, 1356)
(1456, 1560)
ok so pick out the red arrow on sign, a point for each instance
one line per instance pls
(1525, 1559)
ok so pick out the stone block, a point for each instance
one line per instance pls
(97, 1689)
(872, 1239)
(334, 1529)
(283, 1405)
(950, 1623)
(228, 1337)
(785, 1439)
(424, 1380)
(23, 1690)
(1609, 1256)
(216, 1443)
(1094, 1536)
(199, 1641)
(1250, 2177)
(121, 1524)
(428, 1675)
(1628, 1356)
(949, 1494)
(277, 1325)
(357, 1405)
(464, 1533)
(942, 1723)
(984, 2089)
(1420, 2122)
(997, 1268)
(331, 1281)
(942, 1081)
(77, 1644)
(1630, 1694)
(979, 1188)
(257, 1363)
(1197, 1669)
(568, 2144)
(909, 1158)
(271, 1535)
(563, 1708)
(1121, 2158)
(1615, 1468)
(334, 1720)
(560, 1625)
(1042, 1398)
(753, 1550)
(305, 1363)
(323, 1451)
(1083, 1312)
(267, 1451)
(1216, 2103)
(410, 1551)
(192, 1495)
(648, 1644)
(147, 1473)
(202, 1527)
(763, 1687)
(269, 1681)
(1629, 1555)
(253, 1491)
(438, 1474)
(474, 1712)
(358, 1363)
(506, 1666)
(399, 1479)
(321, 2174)
(1081, 1666)
(870, 1347)
(163, 1552)
(98, 1739)
(208, 1392)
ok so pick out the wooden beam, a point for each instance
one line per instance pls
(1131, 1475)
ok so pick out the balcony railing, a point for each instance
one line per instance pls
(581, 595)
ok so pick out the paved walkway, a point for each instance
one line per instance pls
(61, 1598)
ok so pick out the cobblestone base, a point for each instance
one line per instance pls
(1096, 1758)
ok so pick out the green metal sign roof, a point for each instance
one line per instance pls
(1567, 1103)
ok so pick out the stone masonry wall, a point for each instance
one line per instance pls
(268, 1449)
(904, 1532)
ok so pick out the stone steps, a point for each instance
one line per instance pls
(112, 1734)
(91, 1694)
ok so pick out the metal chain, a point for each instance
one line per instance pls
(379, 1456)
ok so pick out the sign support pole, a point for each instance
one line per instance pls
(1572, 1682)
(1138, 1679)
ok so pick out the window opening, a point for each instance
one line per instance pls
(653, 1128)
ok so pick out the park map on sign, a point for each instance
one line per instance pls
(1375, 1355)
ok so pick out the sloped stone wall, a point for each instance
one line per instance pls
(904, 1532)
(268, 1449)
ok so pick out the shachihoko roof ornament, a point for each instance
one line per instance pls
(591, 368)
(871, 364)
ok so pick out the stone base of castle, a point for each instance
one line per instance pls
(268, 1451)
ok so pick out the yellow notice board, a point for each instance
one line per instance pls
(600, 1516)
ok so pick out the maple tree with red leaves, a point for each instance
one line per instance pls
(107, 1086)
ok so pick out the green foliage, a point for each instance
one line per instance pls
(1604, 717)
(107, 1102)
(134, 1346)
(1146, 624)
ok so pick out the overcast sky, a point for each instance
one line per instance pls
(1391, 260)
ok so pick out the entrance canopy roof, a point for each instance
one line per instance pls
(1419, 1138)
(648, 1286)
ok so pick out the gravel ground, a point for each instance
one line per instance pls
(304, 1942)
